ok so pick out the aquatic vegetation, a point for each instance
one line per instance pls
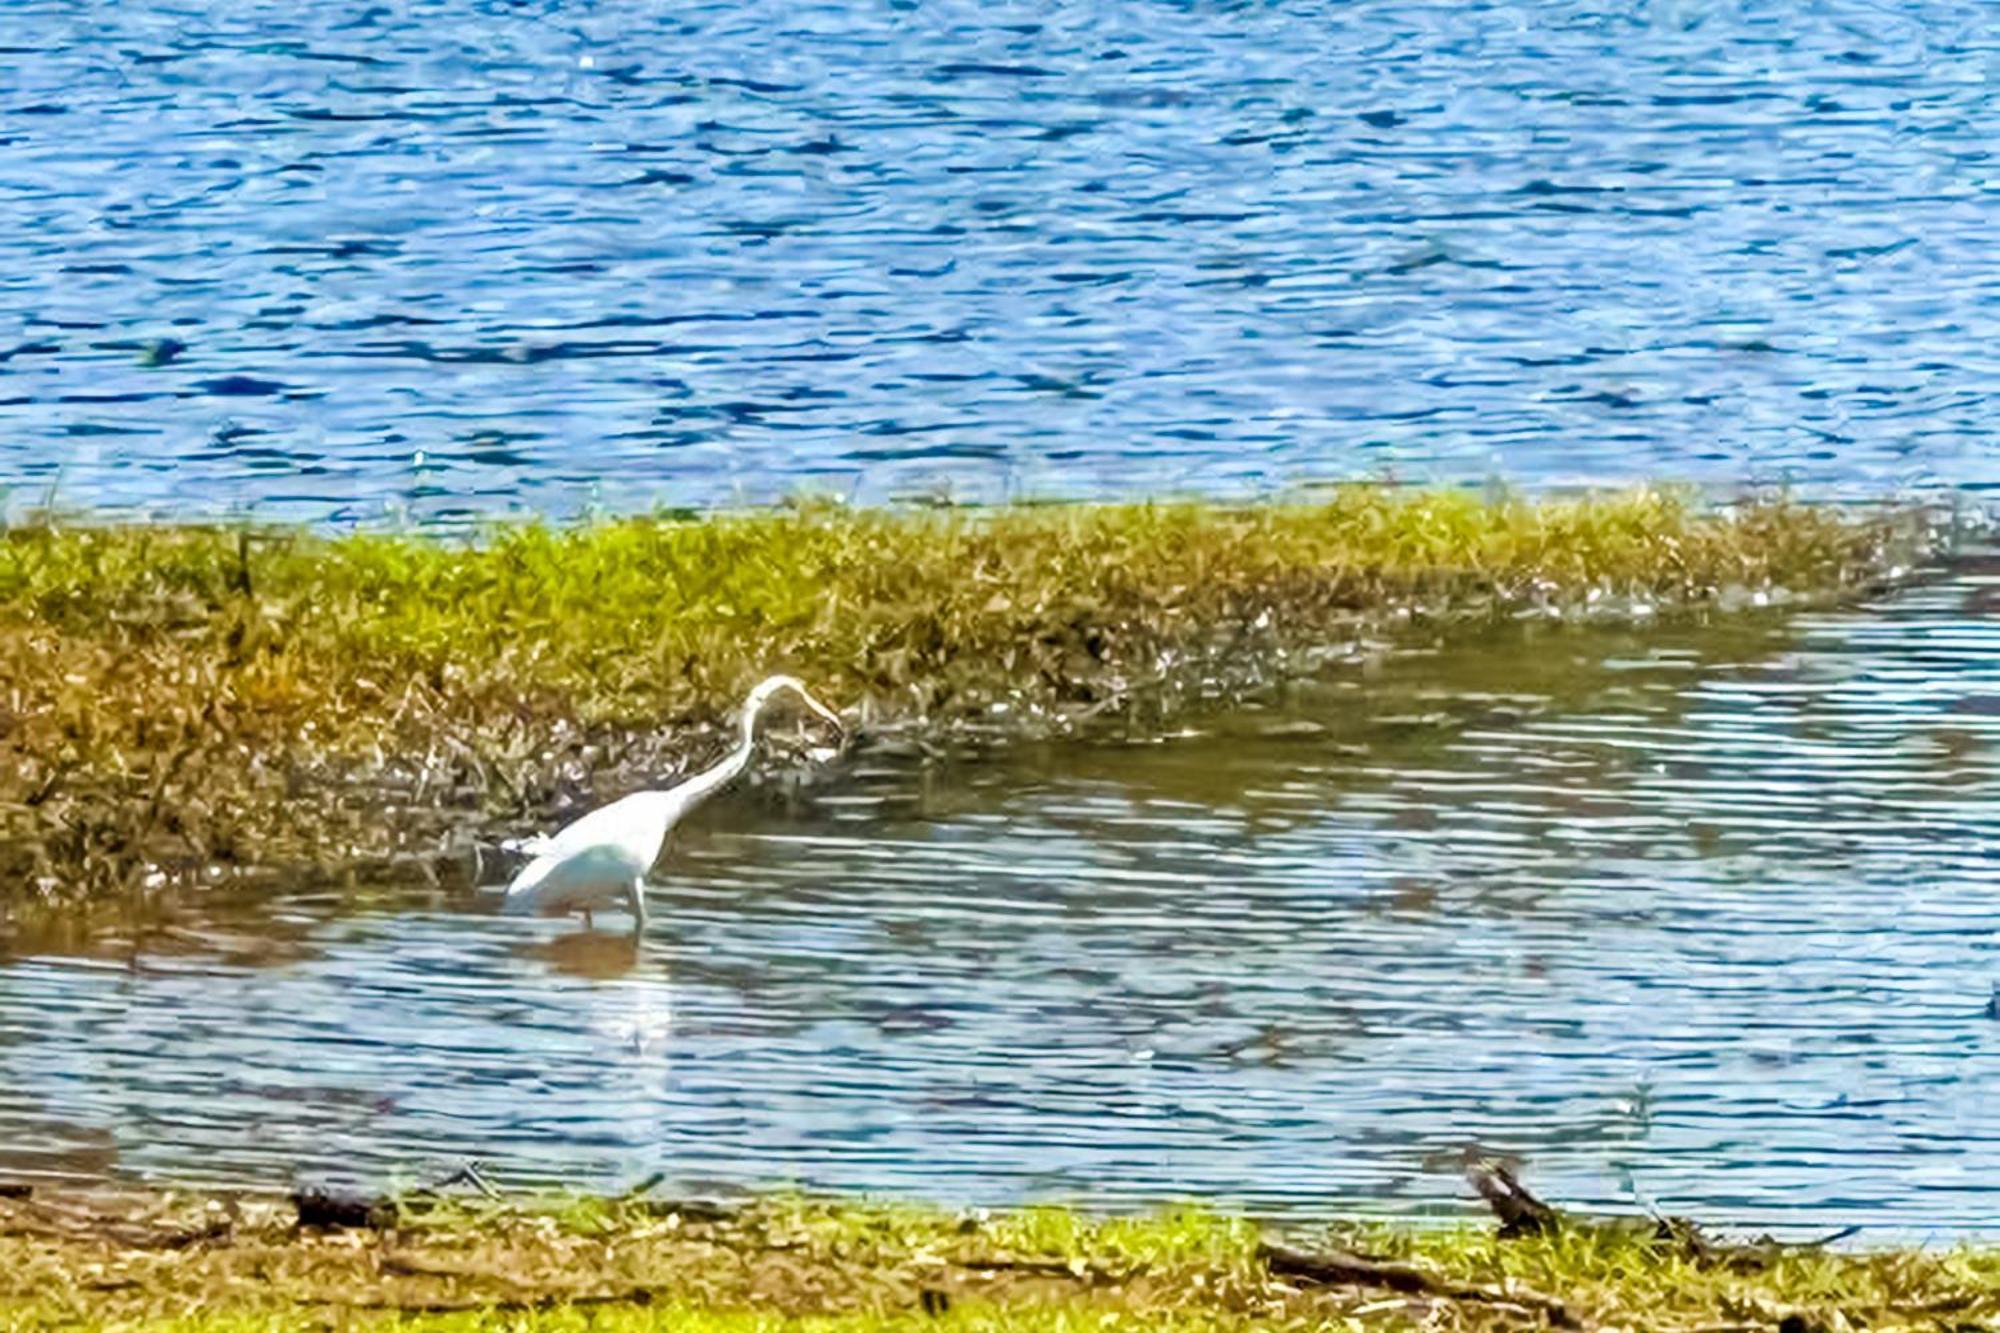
(213, 1264)
(186, 704)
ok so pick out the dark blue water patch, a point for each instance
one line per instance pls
(934, 451)
(1180, 204)
(974, 69)
(241, 386)
(656, 176)
(84, 429)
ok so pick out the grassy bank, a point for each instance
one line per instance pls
(196, 703)
(190, 1264)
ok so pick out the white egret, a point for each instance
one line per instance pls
(601, 859)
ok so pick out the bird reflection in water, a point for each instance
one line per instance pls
(593, 955)
(622, 1002)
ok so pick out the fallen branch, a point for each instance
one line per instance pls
(325, 1209)
(554, 1300)
(472, 1173)
(1522, 1214)
(1519, 1211)
(1076, 1269)
(1341, 1268)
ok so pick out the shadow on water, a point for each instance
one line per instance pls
(594, 955)
(1696, 915)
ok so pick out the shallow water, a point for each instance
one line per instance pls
(346, 262)
(1696, 917)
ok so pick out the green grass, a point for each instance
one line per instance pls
(200, 702)
(695, 1319)
(802, 1265)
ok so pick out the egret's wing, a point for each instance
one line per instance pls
(531, 886)
(560, 879)
(624, 823)
(607, 823)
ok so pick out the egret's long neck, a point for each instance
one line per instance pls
(705, 783)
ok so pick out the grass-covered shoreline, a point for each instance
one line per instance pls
(190, 703)
(207, 1264)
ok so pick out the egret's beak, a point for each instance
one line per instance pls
(827, 715)
(832, 718)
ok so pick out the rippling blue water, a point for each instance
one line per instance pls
(347, 260)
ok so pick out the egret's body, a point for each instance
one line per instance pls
(601, 859)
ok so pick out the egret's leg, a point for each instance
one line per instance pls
(638, 903)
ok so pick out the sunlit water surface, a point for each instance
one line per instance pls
(1698, 918)
(344, 262)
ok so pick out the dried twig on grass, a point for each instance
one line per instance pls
(1519, 1211)
(1343, 1268)
(1522, 1214)
(1075, 1269)
(325, 1209)
(554, 1300)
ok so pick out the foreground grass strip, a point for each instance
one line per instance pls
(196, 701)
(155, 1262)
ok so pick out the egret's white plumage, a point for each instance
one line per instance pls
(602, 858)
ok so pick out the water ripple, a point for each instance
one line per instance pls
(270, 257)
